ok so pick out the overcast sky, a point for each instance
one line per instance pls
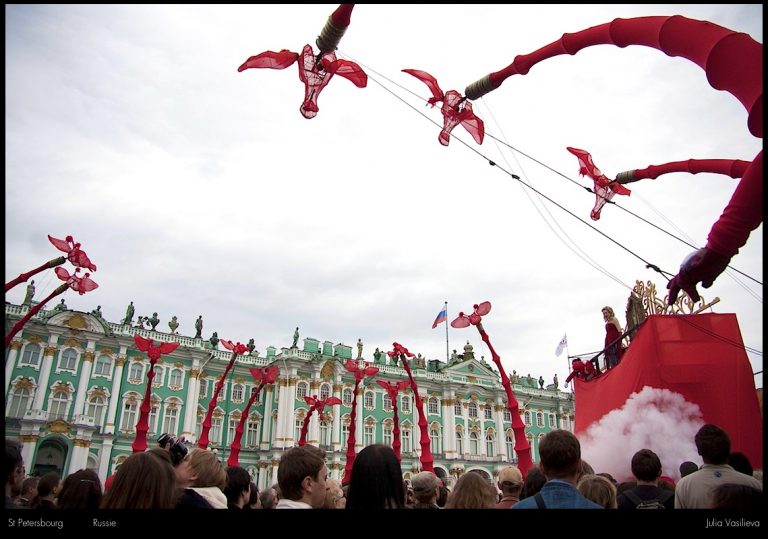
(198, 190)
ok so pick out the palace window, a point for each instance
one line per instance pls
(31, 355)
(68, 359)
(103, 365)
(472, 409)
(95, 409)
(434, 407)
(301, 390)
(19, 402)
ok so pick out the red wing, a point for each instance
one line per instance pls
(484, 308)
(351, 366)
(383, 384)
(142, 343)
(619, 189)
(62, 273)
(61, 245)
(311, 401)
(271, 60)
(240, 349)
(370, 371)
(227, 344)
(256, 373)
(461, 321)
(86, 285)
(587, 167)
(80, 259)
(393, 353)
(168, 347)
(430, 81)
(350, 71)
(270, 373)
(403, 384)
(474, 126)
(330, 401)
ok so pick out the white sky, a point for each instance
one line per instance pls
(196, 189)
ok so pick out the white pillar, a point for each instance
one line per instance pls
(10, 363)
(416, 431)
(79, 458)
(85, 377)
(45, 373)
(359, 419)
(501, 445)
(313, 434)
(105, 456)
(449, 426)
(336, 432)
(266, 423)
(115, 397)
(190, 407)
(29, 442)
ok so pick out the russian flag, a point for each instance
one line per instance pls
(441, 316)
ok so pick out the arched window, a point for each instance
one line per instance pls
(325, 391)
(171, 419)
(507, 415)
(459, 442)
(387, 402)
(566, 423)
(203, 388)
(367, 435)
(369, 399)
(297, 430)
(252, 433)
(233, 422)
(128, 420)
(345, 431)
(473, 443)
(96, 406)
(325, 438)
(157, 381)
(405, 438)
(528, 418)
(457, 408)
(539, 419)
(31, 355)
(301, 390)
(58, 405)
(436, 445)
(176, 378)
(405, 404)
(509, 439)
(68, 359)
(388, 434)
(215, 432)
(472, 409)
(488, 411)
(237, 392)
(136, 372)
(154, 411)
(551, 421)
(490, 444)
(434, 406)
(103, 365)
(347, 396)
(19, 402)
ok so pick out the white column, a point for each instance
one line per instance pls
(105, 458)
(190, 406)
(501, 445)
(29, 442)
(416, 431)
(336, 433)
(85, 377)
(79, 458)
(115, 397)
(10, 363)
(279, 426)
(359, 420)
(45, 373)
(273, 479)
(290, 414)
(266, 423)
(449, 427)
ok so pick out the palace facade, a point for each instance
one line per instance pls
(74, 384)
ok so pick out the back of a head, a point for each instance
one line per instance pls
(143, 481)
(739, 462)
(732, 496)
(687, 468)
(510, 480)
(238, 480)
(80, 490)
(424, 486)
(296, 464)
(207, 469)
(713, 444)
(646, 465)
(533, 482)
(268, 498)
(599, 489)
(377, 480)
(333, 493)
(254, 495)
(13, 459)
(472, 491)
(560, 454)
(47, 484)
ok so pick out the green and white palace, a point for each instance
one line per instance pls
(74, 383)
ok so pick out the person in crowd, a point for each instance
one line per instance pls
(80, 490)
(584, 469)
(334, 495)
(696, 491)
(143, 481)
(442, 497)
(560, 454)
(377, 480)
(238, 488)
(730, 496)
(28, 492)
(47, 491)
(14, 472)
(510, 483)
(646, 467)
(254, 499)
(687, 468)
(740, 462)
(269, 498)
(301, 475)
(533, 482)
(472, 491)
(202, 477)
(426, 488)
(599, 489)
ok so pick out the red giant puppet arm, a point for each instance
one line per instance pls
(79, 284)
(427, 462)
(360, 374)
(316, 71)
(392, 390)
(75, 255)
(728, 167)
(153, 352)
(733, 62)
(266, 375)
(315, 405)
(456, 110)
(237, 350)
(522, 448)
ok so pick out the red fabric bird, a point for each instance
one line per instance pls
(360, 372)
(81, 285)
(463, 321)
(315, 74)
(154, 351)
(75, 255)
(238, 348)
(456, 109)
(603, 187)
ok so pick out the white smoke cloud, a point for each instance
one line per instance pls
(655, 419)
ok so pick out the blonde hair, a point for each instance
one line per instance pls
(598, 489)
(472, 491)
(206, 469)
(612, 317)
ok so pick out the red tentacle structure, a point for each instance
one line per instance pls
(522, 448)
(237, 444)
(142, 426)
(203, 441)
(25, 276)
(305, 424)
(426, 454)
(728, 167)
(351, 439)
(32, 312)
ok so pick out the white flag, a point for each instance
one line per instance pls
(563, 344)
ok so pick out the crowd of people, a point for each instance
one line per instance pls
(164, 478)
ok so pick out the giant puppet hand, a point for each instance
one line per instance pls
(702, 266)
